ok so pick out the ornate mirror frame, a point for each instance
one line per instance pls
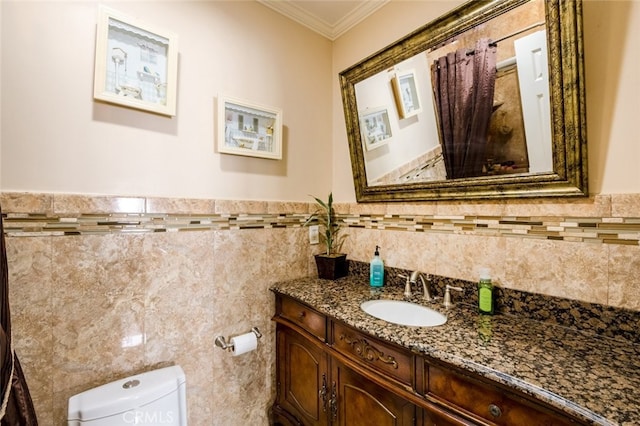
(567, 99)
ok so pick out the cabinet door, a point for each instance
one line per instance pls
(303, 379)
(356, 401)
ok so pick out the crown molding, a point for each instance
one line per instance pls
(296, 12)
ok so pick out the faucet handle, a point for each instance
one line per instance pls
(407, 286)
(447, 295)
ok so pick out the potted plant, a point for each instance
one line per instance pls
(332, 264)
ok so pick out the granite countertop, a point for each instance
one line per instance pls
(596, 379)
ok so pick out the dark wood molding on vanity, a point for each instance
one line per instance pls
(331, 373)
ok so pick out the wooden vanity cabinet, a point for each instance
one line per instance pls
(361, 402)
(302, 374)
(472, 396)
(316, 388)
(329, 373)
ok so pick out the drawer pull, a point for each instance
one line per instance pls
(368, 352)
(494, 410)
(301, 315)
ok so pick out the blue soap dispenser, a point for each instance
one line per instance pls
(376, 270)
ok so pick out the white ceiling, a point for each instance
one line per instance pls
(331, 18)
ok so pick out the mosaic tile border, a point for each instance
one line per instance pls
(84, 224)
(603, 219)
(575, 229)
(623, 231)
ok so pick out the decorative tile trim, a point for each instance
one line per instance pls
(575, 229)
(20, 224)
(61, 214)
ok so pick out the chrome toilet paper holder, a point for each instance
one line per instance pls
(222, 342)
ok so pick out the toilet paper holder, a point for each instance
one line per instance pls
(222, 342)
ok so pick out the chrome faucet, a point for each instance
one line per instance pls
(413, 279)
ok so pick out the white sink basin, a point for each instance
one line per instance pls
(403, 313)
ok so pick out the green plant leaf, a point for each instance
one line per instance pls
(326, 218)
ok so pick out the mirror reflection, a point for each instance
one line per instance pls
(475, 105)
(483, 102)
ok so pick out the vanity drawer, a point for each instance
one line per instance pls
(489, 402)
(380, 356)
(298, 313)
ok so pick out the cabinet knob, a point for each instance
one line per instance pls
(301, 315)
(494, 410)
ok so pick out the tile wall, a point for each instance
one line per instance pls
(104, 287)
(93, 302)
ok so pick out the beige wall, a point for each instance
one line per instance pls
(55, 138)
(612, 35)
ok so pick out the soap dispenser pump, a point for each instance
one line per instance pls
(376, 270)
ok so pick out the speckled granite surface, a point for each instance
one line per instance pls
(617, 323)
(594, 378)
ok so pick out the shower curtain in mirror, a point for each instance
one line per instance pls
(463, 85)
(16, 407)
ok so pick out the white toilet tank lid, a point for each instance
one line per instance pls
(125, 394)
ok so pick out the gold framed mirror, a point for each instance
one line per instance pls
(522, 129)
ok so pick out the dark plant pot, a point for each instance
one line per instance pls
(332, 267)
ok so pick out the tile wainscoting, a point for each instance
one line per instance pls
(102, 287)
(94, 300)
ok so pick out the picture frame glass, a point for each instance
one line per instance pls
(406, 93)
(376, 128)
(138, 63)
(246, 128)
(135, 66)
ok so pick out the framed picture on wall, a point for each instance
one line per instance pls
(136, 65)
(375, 127)
(248, 128)
(405, 91)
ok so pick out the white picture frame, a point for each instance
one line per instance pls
(248, 128)
(136, 65)
(375, 127)
(406, 93)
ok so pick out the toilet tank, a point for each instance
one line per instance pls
(153, 398)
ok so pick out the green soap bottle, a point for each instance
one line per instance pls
(485, 293)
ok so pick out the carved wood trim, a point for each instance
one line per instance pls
(367, 352)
